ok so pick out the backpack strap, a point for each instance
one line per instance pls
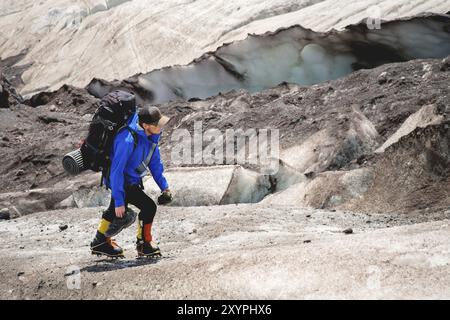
(143, 168)
(135, 138)
(150, 154)
(105, 173)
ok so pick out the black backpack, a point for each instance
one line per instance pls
(111, 116)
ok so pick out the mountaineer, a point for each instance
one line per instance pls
(134, 154)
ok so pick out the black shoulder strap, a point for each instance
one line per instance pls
(150, 154)
(135, 138)
(135, 142)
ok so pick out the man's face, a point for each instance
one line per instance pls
(150, 129)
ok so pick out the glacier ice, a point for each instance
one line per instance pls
(293, 54)
(216, 185)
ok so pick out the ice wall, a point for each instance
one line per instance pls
(294, 54)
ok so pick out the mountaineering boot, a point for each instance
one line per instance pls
(145, 246)
(106, 246)
(147, 249)
(118, 224)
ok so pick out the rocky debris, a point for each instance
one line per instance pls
(348, 231)
(40, 285)
(328, 137)
(67, 98)
(427, 115)
(329, 189)
(5, 214)
(4, 97)
(8, 94)
(12, 69)
(69, 202)
(49, 119)
(36, 138)
(383, 78)
(63, 227)
(334, 147)
(416, 167)
(412, 174)
(445, 65)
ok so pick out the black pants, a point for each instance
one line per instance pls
(137, 197)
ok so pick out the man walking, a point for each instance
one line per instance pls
(134, 154)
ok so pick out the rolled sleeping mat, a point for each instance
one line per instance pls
(73, 162)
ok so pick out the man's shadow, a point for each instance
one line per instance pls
(105, 265)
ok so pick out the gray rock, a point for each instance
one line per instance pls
(348, 231)
(310, 174)
(27, 206)
(87, 117)
(445, 65)
(69, 202)
(15, 213)
(5, 214)
(383, 78)
(20, 173)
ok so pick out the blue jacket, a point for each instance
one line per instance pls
(125, 160)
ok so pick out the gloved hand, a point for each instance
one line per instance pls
(165, 197)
